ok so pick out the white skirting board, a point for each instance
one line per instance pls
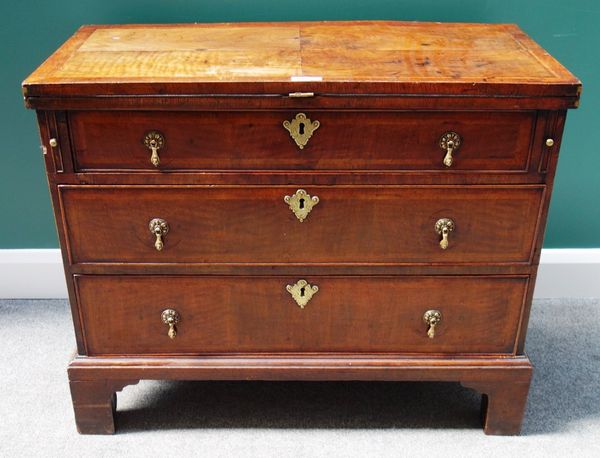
(38, 273)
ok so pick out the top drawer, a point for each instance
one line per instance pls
(343, 140)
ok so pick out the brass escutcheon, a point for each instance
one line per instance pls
(302, 292)
(444, 226)
(159, 228)
(450, 142)
(301, 203)
(171, 317)
(154, 141)
(301, 129)
(432, 318)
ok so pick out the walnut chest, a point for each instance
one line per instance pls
(301, 201)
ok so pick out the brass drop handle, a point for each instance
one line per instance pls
(432, 318)
(450, 142)
(154, 141)
(443, 227)
(159, 228)
(171, 317)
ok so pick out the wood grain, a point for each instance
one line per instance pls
(257, 314)
(504, 381)
(503, 404)
(95, 403)
(254, 225)
(425, 58)
(384, 92)
(105, 140)
(278, 99)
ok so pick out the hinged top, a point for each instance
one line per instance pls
(324, 57)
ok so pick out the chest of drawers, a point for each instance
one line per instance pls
(301, 201)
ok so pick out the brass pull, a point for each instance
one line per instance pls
(170, 317)
(302, 292)
(301, 203)
(432, 318)
(301, 129)
(299, 95)
(450, 142)
(443, 227)
(154, 141)
(159, 227)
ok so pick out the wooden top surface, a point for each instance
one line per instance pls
(337, 57)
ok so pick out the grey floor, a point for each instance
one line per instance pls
(296, 419)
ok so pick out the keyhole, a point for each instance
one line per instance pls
(302, 291)
(301, 203)
(301, 128)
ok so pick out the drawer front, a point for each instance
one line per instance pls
(123, 314)
(489, 141)
(255, 225)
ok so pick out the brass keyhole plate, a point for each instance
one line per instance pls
(301, 203)
(301, 129)
(302, 292)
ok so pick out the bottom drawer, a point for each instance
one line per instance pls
(217, 314)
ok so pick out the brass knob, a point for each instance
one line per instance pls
(170, 317)
(443, 227)
(549, 142)
(302, 292)
(159, 228)
(154, 141)
(301, 129)
(432, 318)
(450, 142)
(301, 203)
(53, 142)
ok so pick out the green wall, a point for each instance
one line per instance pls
(31, 30)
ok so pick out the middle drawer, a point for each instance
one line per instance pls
(256, 224)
